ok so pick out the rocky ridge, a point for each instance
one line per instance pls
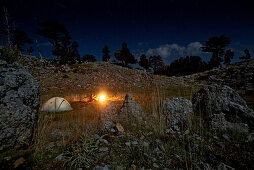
(88, 76)
(239, 76)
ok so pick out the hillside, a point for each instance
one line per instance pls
(238, 76)
(93, 77)
(90, 78)
(157, 125)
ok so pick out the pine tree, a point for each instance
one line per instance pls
(117, 55)
(17, 37)
(156, 62)
(143, 62)
(216, 46)
(125, 56)
(89, 58)
(30, 50)
(228, 56)
(247, 55)
(60, 38)
(74, 54)
(105, 52)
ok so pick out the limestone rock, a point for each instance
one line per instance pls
(219, 121)
(19, 104)
(176, 111)
(130, 108)
(215, 100)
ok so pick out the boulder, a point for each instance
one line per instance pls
(218, 121)
(130, 108)
(19, 104)
(176, 111)
(224, 106)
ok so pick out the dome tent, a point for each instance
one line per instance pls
(56, 104)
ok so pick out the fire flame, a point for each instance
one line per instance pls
(102, 98)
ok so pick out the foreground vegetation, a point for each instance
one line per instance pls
(77, 139)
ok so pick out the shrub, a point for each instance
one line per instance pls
(8, 54)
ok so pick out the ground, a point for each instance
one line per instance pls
(78, 139)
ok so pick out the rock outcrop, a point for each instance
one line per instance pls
(19, 104)
(130, 108)
(237, 76)
(222, 107)
(176, 111)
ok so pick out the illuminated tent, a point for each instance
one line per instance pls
(56, 104)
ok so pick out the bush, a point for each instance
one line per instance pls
(8, 54)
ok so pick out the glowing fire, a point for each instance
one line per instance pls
(102, 98)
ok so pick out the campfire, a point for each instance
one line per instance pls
(102, 98)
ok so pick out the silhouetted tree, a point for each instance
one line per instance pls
(18, 38)
(117, 54)
(143, 62)
(105, 52)
(30, 50)
(52, 30)
(216, 46)
(89, 58)
(60, 38)
(157, 63)
(125, 56)
(74, 54)
(247, 55)
(185, 66)
(228, 56)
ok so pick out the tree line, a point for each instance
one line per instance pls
(66, 51)
(193, 64)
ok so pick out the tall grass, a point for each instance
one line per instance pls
(78, 125)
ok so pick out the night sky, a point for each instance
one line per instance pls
(170, 28)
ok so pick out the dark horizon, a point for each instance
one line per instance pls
(171, 29)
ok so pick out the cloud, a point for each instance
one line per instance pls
(169, 50)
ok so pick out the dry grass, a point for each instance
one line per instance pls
(70, 130)
(84, 120)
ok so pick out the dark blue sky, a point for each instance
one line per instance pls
(171, 28)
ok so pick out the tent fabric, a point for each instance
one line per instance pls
(56, 104)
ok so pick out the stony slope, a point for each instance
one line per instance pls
(89, 76)
(160, 150)
(239, 76)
